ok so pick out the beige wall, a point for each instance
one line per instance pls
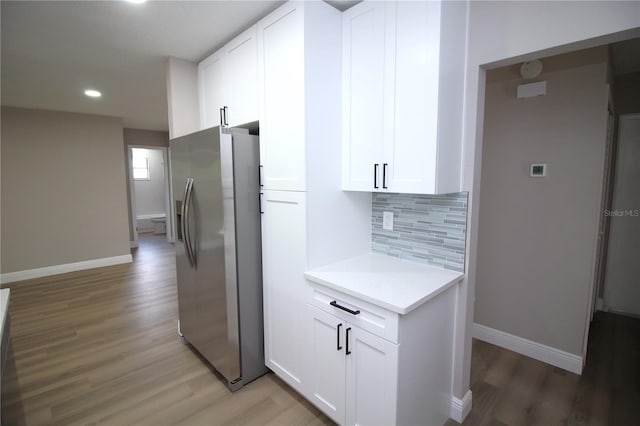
(145, 138)
(626, 93)
(63, 189)
(182, 97)
(537, 236)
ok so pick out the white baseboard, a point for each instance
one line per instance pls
(460, 408)
(10, 277)
(553, 356)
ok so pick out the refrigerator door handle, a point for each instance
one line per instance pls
(183, 221)
(187, 220)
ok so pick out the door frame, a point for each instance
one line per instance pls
(602, 230)
(615, 178)
(167, 192)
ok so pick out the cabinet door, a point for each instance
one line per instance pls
(212, 89)
(241, 66)
(363, 96)
(326, 362)
(372, 377)
(281, 97)
(283, 266)
(410, 154)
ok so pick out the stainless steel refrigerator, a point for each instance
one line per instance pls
(218, 249)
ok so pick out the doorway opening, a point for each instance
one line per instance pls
(543, 236)
(149, 189)
(619, 287)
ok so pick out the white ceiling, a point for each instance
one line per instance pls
(53, 50)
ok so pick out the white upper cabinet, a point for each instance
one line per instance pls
(363, 77)
(229, 78)
(400, 61)
(281, 65)
(241, 65)
(299, 66)
(212, 89)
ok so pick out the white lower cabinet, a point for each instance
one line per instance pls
(372, 379)
(327, 363)
(353, 373)
(283, 264)
(367, 365)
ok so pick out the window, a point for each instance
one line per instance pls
(140, 164)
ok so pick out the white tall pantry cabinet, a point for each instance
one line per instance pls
(403, 76)
(307, 220)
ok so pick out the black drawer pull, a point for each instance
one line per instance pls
(335, 304)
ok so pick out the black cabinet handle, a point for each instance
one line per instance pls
(335, 305)
(225, 108)
(375, 175)
(384, 175)
(260, 203)
(338, 347)
(222, 116)
(348, 352)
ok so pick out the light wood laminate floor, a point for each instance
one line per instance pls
(512, 389)
(101, 347)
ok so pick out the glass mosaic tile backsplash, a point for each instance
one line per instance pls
(426, 228)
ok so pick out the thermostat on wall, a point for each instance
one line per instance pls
(538, 170)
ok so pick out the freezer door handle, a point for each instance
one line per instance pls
(187, 221)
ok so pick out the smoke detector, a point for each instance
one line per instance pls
(531, 69)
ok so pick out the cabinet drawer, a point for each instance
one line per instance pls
(372, 318)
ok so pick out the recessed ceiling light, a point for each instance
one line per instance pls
(136, 1)
(92, 93)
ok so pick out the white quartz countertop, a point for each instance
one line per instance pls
(391, 283)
